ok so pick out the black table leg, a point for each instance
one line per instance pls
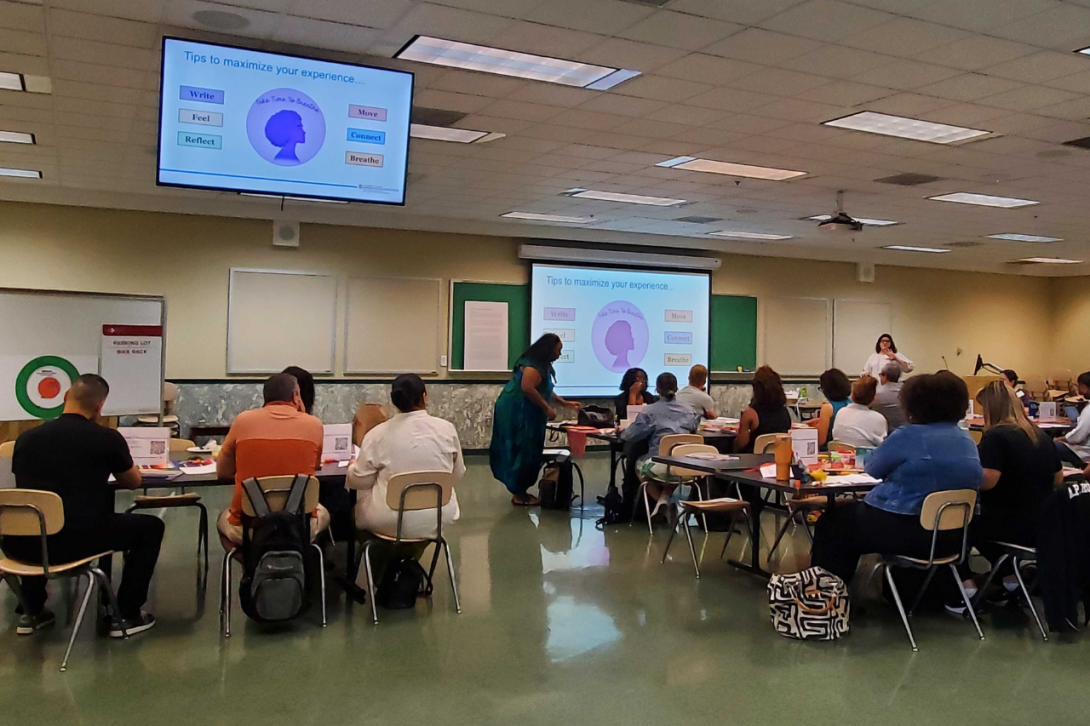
(613, 458)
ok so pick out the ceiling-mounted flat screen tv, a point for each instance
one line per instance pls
(233, 119)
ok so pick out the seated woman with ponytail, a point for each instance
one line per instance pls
(662, 418)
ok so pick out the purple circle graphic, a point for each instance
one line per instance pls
(285, 127)
(619, 336)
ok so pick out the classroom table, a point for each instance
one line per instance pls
(742, 469)
(1057, 428)
(719, 439)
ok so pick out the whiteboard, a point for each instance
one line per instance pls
(797, 335)
(280, 318)
(857, 326)
(392, 325)
(45, 336)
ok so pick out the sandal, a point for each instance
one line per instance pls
(529, 501)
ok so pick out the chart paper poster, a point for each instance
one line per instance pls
(148, 446)
(245, 120)
(133, 353)
(33, 386)
(485, 336)
(611, 320)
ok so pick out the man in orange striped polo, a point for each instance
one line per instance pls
(277, 439)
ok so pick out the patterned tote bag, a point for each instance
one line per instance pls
(809, 605)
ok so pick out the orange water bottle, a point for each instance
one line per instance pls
(784, 454)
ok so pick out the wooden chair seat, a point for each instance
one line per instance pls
(907, 561)
(23, 569)
(725, 504)
(410, 540)
(168, 501)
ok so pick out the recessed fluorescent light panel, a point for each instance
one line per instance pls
(905, 128)
(984, 200)
(468, 56)
(21, 173)
(870, 222)
(534, 217)
(749, 235)
(689, 163)
(909, 248)
(458, 136)
(1050, 261)
(1024, 237)
(16, 137)
(11, 82)
(626, 198)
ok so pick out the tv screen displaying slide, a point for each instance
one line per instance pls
(242, 120)
(614, 319)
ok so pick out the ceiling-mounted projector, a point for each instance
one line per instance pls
(841, 221)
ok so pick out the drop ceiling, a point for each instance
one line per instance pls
(741, 81)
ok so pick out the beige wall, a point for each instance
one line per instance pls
(186, 258)
(1070, 325)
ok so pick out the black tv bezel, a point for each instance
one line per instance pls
(159, 128)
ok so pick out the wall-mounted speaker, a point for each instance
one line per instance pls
(865, 271)
(285, 234)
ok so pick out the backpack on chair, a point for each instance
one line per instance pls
(274, 580)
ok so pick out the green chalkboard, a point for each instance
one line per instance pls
(734, 333)
(517, 298)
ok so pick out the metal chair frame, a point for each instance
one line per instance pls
(1018, 555)
(94, 575)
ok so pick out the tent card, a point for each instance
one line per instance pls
(1047, 411)
(337, 445)
(147, 446)
(804, 442)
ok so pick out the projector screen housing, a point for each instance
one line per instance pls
(242, 120)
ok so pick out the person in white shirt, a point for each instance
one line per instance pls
(1074, 447)
(694, 396)
(856, 424)
(412, 440)
(885, 351)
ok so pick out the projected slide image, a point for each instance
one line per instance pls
(245, 120)
(611, 320)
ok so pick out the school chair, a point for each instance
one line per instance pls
(666, 446)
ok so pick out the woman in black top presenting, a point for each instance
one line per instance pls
(1021, 467)
(633, 392)
(767, 411)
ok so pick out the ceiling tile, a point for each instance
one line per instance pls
(827, 20)
(150, 11)
(66, 23)
(908, 104)
(620, 53)
(793, 109)
(449, 101)
(260, 23)
(906, 75)
(905, 37)
(691, 115)
(837, 61)
(780, 82)
(661, 89)
(746, 12)
(604, 16)
(18, 16)
(1028, 98)
(79, 49)
(623, 105)
(325, 34)
(678, 30)
(371, 13)
(94, 73)
(982, 14)
(483, 84)
(976, 52)
(846, 93)
(730, 99)
(546, 40)
(762, 46)
(509, 8)
(969, 86)
(18, 41)
(1040, 67)
(1064, 27)
(521, 110)
(708, 69)
(1077, 109)
(442, 22)
(552, 94)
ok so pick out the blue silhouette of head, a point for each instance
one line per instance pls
(285, 130)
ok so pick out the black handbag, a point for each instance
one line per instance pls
(598, 417)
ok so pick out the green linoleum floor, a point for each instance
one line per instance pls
(562, 624)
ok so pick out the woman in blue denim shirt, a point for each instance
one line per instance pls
(929, 455)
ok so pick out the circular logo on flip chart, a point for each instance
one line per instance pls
(619, 336)
(285, 127)
(42, 383)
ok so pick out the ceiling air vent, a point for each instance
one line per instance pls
(909, 180)
(436, 116)
(699, 220)
(1083, 143)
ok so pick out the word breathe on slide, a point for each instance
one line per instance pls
(605, 284)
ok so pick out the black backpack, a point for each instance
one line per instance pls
(613, 506)
(599, 417)
(402, 582)
(556, 487)
(274, 580)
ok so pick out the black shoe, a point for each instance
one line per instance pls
(144, 621)
(29, 624)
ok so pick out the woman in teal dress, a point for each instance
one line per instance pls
(519, 418)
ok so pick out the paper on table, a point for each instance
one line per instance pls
(485, 346)
(852, 479)
(768, 471)
(199, 469)
(343, 464)
(713, 457)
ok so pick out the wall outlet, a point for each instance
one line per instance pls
(443, 361)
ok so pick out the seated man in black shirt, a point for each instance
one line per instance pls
(74, 457)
